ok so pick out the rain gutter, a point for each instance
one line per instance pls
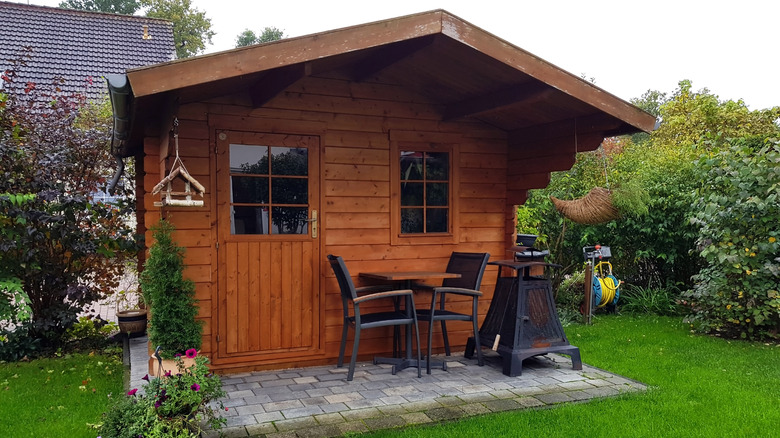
(121, 95)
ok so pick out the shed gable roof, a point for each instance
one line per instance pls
(459, 69)
(77, 45)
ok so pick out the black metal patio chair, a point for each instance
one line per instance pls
(352, 298)
(471, 267)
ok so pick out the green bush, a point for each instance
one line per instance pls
(19, 343)
(736, 293)
(171, 297)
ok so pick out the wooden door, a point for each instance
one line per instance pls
(268, 247)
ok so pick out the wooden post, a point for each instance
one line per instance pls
(587, 314)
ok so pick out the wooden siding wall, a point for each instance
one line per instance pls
(354, 121)
(193, 225)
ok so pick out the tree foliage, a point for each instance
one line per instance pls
(248, 37)
(62, 247)
(191, 27)
(125, 7)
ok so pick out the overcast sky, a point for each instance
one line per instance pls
(627, 46)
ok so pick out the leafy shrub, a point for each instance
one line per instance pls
(65, 249)
(18, 343)
(173, 405)
(736, 293)
(91, 333)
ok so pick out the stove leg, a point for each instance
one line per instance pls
(512, 365)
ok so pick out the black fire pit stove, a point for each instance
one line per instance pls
(522, 321)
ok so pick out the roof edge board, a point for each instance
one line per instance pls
(528, 63)
(189, 72)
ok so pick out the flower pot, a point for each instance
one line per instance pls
(132, 322)
(526, 239)
(169, 365)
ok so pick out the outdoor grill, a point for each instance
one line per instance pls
(522, 321)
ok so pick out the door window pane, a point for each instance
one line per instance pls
(290, 191)
(289, 161)
(290, 220)
(249, 189)
(249, 159)
(250, 220)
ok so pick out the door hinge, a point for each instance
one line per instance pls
(217, 338)
(217, 245)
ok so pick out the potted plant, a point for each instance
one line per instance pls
(176, 404)
(130, 312)
(527, 226)
(170, 297)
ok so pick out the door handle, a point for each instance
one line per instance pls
(313, 220)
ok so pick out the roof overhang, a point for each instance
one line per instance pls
(462, 71)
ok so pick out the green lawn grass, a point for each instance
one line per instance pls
(57, 397)
(699, 387)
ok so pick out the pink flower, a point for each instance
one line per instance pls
(145, 377)
(168, 373)
(192, 353)
(195, 387)
(132, 391)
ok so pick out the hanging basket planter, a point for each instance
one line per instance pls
(594, 208)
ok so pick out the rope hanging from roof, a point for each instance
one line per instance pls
(596, 207)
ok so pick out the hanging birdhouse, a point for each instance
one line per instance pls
(179, 198)
(173, 198)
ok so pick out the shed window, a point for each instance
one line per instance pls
(425, 192)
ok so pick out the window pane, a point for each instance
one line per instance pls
(411, 220)
(436, 220)
(437, 166)
(411, 165)
(290, 191)
(290, 220)
(250, 220)
(249, 190)
(249, 159)
(411, 194)
(436, 194)
(290, 161)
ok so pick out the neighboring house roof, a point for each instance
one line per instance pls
(79, 46)
(459, 70)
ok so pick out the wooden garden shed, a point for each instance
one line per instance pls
(315, 145)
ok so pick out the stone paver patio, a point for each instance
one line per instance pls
(319, 402)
